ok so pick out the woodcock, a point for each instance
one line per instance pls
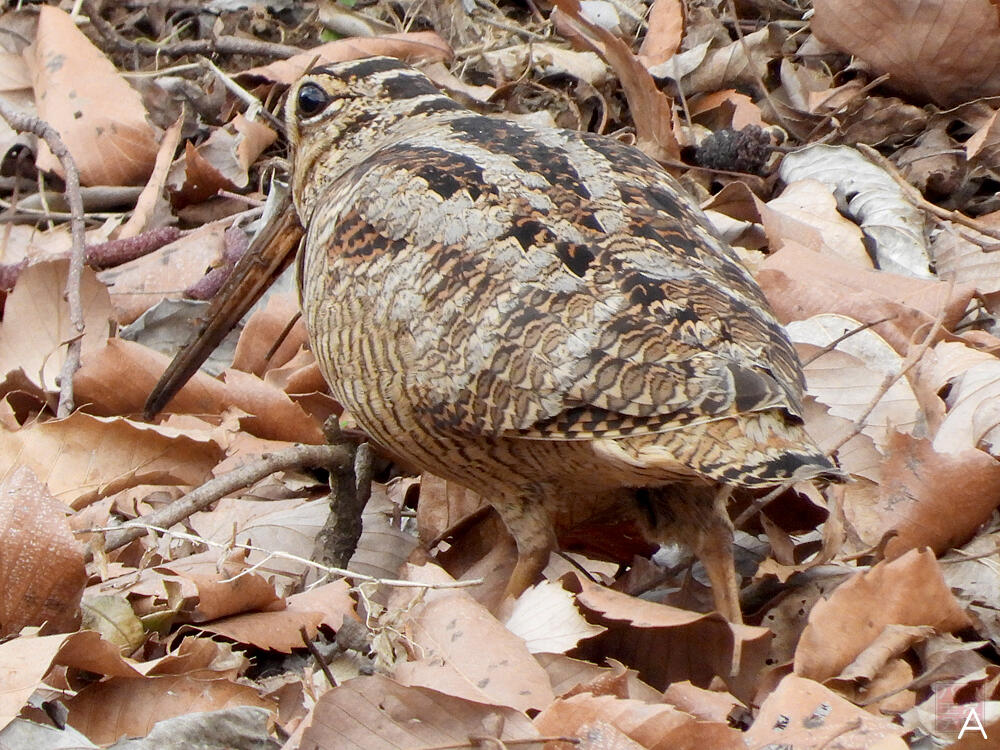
(539, 315)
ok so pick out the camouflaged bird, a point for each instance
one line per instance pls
(538, 314)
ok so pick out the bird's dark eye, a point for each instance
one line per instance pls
(312, 99)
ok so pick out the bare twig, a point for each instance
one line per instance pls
(853, 332)
(915, 197)
(28, 124)
(317, 656)
(911, 359)
(327, 571)
(223, 44)
(333, 457)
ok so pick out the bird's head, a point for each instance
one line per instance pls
(337, 114)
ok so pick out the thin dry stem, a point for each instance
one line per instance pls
(333, 457)
(28, 124)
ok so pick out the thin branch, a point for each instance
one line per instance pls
(317, 656)
(327, 570)
(221, 44)
(891, 379)
(332, 457)
(25, 123)
(915, 197)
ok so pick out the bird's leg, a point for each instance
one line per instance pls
(530, 525)
(696, 516)
(712, 543)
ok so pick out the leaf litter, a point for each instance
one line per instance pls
(849, 153)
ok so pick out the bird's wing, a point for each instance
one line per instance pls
(553, 284)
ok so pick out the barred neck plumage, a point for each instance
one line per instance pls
(338, 114)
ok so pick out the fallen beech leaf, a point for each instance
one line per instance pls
(871, 197)
(958, 258)
(36, 324)
(892, 642)
(448, 630)
(24, 661)
(666, 644)
(141, 703)
(545, 618)
(807, 716)
(152, 209)
(807, 212)
(42, 574)
(417, 46)
(931, 498)
(652, 110)
(788, 278)
(384, 546)
(280, 630)
(377, 713)
(663, 36)
(277, 526)
(850, 377)
(973, 418)
(100, 117)
(944, 51)
(81, 458)
(653, 726)
(907, 591)
(97, 383)
(141, 283)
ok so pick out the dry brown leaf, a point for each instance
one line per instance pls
(664, 34)
(277, 526)
(653, 726)
(651, 109)
(964, 261)
(807, 716)
(272, 414)
(42, 574)
(706, 705)
(849, 379)
(442, 505)
(892, 642)
(87, 651)
(221, 162)
(152, 209)
(139, 703)
(417, 46)
(262, 331)
(376, 713)
(725, 109)
(448, 630)
(739, 65)
(907, 591)
(98, 383)
(806, 211)
(788, 278)
(225, 587)
(947, 52)
(36, 324)
(929, 498)
(81, 458)
(279, 630)
(100, 117)
(200, 656)
(384, 546)
(141, 283)
(24, 662)
(666, 644)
